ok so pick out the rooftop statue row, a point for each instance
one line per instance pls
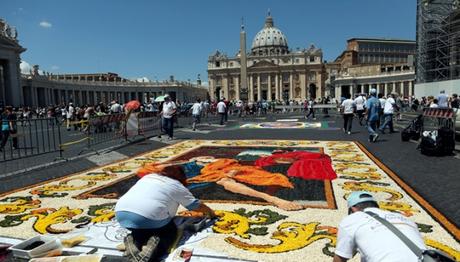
(8, 31)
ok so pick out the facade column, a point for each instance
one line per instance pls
(411, 88)
(385, 89)
(303, 86)
(225, 87)
(320, 89)
(236, 86)
(269, 90)
(251, 89)
(277, 86)
(291, 87)
(259, 88)
(352, 90)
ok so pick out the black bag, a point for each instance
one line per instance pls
(430, 147)
(447, 140)
(406, 134)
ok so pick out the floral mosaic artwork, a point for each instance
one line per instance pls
(283, 125)
(246, 229)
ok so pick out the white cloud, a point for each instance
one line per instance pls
(45, 24)
(142, 79)
(25, 67)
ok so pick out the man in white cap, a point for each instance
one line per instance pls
(360, 231)
(372, 114)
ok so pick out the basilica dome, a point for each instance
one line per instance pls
(269, 41)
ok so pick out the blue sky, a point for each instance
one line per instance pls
(175, 37)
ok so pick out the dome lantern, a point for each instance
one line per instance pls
(270, 40)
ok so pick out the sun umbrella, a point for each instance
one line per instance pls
(132, 105)
(160, 99)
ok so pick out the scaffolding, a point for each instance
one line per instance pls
(437, 40)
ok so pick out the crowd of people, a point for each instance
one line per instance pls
(377, 111)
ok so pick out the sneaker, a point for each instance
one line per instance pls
(349, 132)
(375, 137)
(170, 138)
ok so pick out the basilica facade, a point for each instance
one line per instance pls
(269, 71)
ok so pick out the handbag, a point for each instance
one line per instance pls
(429, 255)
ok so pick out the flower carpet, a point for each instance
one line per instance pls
(247, 228)
(285, 125)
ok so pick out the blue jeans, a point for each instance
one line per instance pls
(371, 127)
(388, 122)
(168, 126)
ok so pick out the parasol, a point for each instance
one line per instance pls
(132, 105)
(160, 99)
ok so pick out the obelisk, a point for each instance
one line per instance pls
(243, 67)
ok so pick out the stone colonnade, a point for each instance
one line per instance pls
(43, 94)
(404, 88)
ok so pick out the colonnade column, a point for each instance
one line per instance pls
(411, 88)
(259, 89)
(291, 87)
(269, 96)
(277, 82)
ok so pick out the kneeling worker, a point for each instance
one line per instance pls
(148, 209)
(375, 242)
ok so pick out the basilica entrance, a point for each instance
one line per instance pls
(312, 91)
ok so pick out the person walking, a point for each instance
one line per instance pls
(8, 127)
(372, 114)
(167, 113)
(70, 115)
(311, 110)
(382, 101)
(196, 113)
(222, 110)
(360, 102)
(388, 111)
(362, 231)
(455, 101)
(348, 110)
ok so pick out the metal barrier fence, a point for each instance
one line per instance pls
(49, 135)
(31, 137)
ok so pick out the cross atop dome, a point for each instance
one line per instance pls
(269, 20)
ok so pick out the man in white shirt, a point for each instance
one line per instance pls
(360, 102)
(359, 231)
(115, 108)
(348, 109)
(221, 109)
(382, 106)
(148, 209)
(70, 115)
(168, 112)
(388, 111)
(196, 113)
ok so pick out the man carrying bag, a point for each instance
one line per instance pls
(380, 235)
